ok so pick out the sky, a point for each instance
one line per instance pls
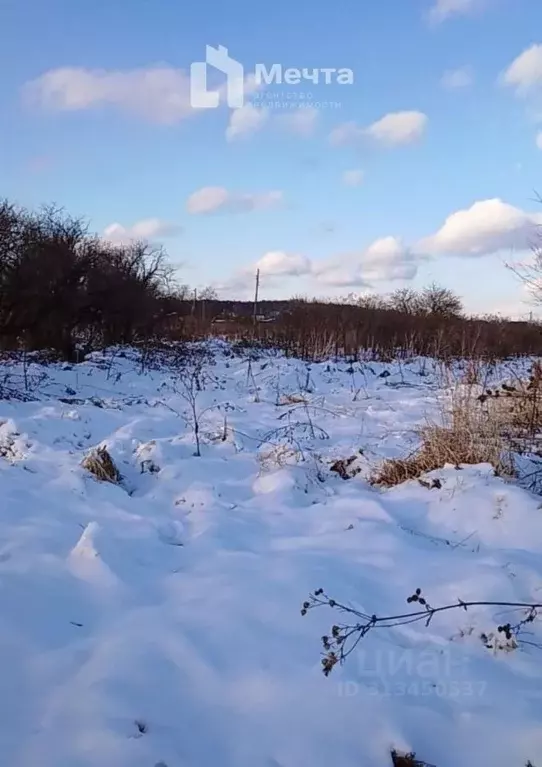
(423, 167)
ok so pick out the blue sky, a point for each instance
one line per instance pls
(424, 169)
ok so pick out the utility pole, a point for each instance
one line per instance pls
(194, 301)
(256, 291)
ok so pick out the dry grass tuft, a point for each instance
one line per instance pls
(469, 434)
(519, 408)
(292, 399)
(101, 465)
(279, 456)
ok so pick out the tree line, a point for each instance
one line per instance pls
(65, 289)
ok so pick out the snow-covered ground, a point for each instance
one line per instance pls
(156, 623)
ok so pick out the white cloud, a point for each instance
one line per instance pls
(514, 308)
(146, 229)
(455, 79)
(246, 121)
(539, 139)
(394, 129)
(444, 9)
(251, 84)
(238, 286)
(277, 263)
(389, 259)
(488, 226)
(346, 133)
(385, 260)
(352, 177)
(340, 275)
(217, 199)
(250, 119)
(274, 266)
(159, 94)
(398, 128)
(301, 121)
(525, 73)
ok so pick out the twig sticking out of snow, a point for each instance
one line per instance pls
(407, 760)
(344, 637)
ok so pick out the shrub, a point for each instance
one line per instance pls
(470, 434)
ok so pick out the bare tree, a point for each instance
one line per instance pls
(530, 273)
(440, 301)
(207, 294)
(371, 301)
(405, 300)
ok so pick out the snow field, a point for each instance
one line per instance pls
(156, 623)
